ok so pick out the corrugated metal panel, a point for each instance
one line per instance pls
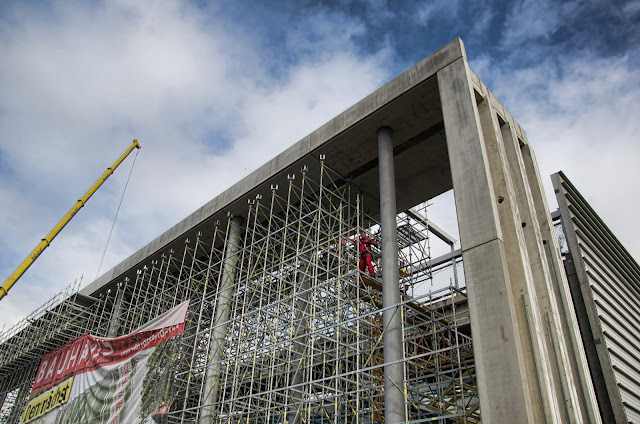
(609, 280)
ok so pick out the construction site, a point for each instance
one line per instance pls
(285, 324)
(303, 337)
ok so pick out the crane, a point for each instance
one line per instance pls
(6, 286)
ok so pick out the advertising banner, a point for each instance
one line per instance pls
(97, 380)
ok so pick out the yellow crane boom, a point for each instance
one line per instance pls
(64, 221)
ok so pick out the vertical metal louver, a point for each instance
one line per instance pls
(605, 284)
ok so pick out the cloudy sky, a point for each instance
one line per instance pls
(214, 89)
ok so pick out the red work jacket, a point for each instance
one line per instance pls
(364, 245)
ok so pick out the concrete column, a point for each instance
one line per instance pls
(500, 365)
(567, 320)
(302, 284)
(114, 323)
(527, 300)
(572, 394)
(220, 323)
(394, 408)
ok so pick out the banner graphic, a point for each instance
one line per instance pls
(56, 396)
(100, 380)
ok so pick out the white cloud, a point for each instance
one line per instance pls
(582, 118)
(632, 8)
(437, 9)
(531, 19)
(78, 82)
(335, 29)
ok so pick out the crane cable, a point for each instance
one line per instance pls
(117, 212)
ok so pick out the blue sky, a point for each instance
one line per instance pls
(214, 89)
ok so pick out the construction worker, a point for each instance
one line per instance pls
(364, 249)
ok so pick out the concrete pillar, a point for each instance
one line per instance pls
(220, 323)
(542, 370)
(302, 283)
(562, 302)
(394, 408)
(114, 323)
(573, 389)
(500, 364)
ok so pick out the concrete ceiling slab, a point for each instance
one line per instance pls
(409, 104)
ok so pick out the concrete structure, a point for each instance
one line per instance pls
(306, 328)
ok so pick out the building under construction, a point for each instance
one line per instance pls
(282, 325)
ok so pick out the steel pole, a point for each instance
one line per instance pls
(394, 408)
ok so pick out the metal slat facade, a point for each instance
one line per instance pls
(608, 281)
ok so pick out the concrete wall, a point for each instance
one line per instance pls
(531, 366)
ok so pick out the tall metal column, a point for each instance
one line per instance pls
(392, 318)
(216, 346)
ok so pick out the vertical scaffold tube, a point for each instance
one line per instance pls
(216, 345)
(394, 408)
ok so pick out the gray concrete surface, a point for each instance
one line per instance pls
(542, 388)
(502, 377)
(563, 313)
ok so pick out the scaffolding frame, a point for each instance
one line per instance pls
(303, 338)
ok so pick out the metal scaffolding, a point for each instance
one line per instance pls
(282, 326)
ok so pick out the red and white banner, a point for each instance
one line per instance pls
(106, 376)
(89, 353)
